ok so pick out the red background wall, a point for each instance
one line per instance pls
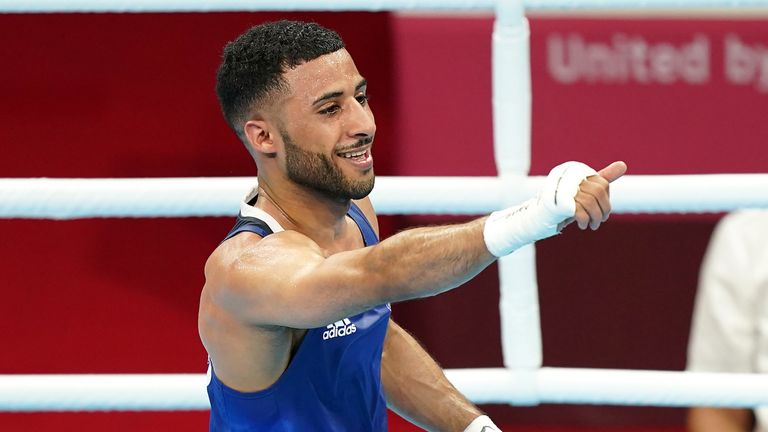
(110, 95)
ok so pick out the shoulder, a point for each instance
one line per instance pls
(237, 266)
(252, 250)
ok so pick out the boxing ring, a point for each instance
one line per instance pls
(523, 381)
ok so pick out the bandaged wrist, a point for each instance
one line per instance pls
(482, 424)
(507, 230)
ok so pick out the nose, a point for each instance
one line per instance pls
(360, 122)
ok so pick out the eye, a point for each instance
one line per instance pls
(362, 99)
(331, 110)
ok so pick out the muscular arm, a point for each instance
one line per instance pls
(719, 420)
(287, 280)
(416, 387)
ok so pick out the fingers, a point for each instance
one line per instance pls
(613, 171)
(593, 204)
(598, 189)
(588, 216)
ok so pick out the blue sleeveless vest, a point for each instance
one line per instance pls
(333, 381)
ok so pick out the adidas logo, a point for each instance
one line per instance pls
(339, 329)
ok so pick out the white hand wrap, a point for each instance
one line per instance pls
(482, 424)
(512, 228)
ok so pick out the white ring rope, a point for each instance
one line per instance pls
(167, 392)
(36, 6)
(611, 387)
(45, 198)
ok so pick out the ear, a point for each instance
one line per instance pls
(259, 136)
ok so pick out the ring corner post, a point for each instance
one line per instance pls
(521, 333)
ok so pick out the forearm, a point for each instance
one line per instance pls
(417, 389)
(719, 420)
(426, 261)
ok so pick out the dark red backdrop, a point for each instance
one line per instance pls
(110, 95)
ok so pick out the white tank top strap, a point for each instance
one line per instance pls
(251, 211)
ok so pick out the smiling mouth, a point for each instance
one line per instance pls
(355, 154)
(360, 158)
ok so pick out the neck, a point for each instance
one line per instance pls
(304, 210)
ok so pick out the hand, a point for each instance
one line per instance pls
(593, 204)
(571, 192)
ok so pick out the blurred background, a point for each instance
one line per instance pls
(132, 95)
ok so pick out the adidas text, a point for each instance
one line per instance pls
(339, 329)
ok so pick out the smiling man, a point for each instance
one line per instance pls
(295, 312)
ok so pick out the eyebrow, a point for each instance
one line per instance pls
(335, 94)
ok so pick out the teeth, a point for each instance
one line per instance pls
(352, 155)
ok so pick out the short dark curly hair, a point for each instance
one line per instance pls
(252, 65)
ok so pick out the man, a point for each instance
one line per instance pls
(729, 332)
(295, 311)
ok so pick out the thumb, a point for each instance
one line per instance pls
(613, 171)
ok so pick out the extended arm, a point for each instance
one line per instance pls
(300, 287)
(285, 279)
(417, 389)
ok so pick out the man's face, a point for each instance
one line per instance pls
(327, 128)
